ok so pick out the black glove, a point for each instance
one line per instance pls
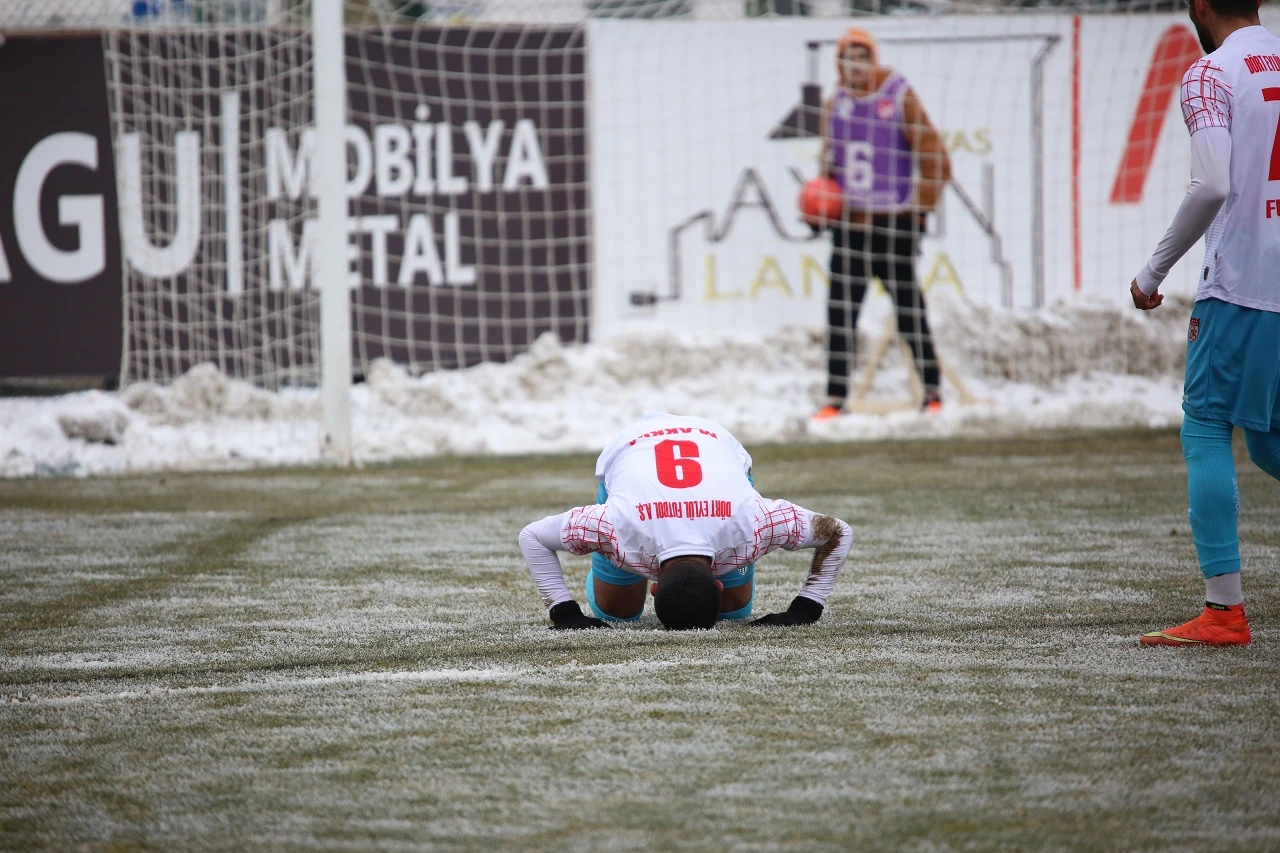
(568, 616)
(803, 611)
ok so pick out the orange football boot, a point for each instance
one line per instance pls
(1218, 625)
(826, 413)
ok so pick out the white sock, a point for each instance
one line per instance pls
(1223, 589)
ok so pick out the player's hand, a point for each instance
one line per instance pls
(803, 611)
(568, 616)
(1141, 300)
(816, 225)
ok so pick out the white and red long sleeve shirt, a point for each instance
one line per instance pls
(1231, 106)
(679, 486)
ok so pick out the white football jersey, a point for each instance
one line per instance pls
(1238, 87)
(678, 486)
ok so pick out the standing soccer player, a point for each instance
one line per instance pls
(679, 509)
(891, 164)
(1231, 103)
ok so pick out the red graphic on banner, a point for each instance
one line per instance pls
(1175, 52)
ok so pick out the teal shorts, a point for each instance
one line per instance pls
(1233, 365)
(607, 572)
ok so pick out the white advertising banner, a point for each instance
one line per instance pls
(1065, 136)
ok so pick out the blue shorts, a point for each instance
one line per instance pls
(609, 573)
(1233, 365)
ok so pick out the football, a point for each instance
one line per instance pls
(821, 199)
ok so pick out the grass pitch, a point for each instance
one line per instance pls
(358, 660)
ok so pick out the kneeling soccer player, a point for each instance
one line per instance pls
(677, 507)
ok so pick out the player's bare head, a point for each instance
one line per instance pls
(1205, 13)
(687, 594)
(856, 58)
(1233, 9)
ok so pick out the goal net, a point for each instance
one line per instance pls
(469, 222)
(606, 168)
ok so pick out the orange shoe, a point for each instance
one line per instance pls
(932, 402)
(826, 413)
(1218, 625)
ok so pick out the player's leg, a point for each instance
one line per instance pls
(1264, 449)
(738, 589)
(612, 594)
(738, 595)
(1264, 391)
(1213, 494)
(848, 284)
(1216, 383)
(908, 300)
(1214, 499)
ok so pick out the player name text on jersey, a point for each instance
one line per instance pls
(672, 431)
(1257, 64)
(649, 510)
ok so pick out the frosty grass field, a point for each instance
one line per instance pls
(357, 660)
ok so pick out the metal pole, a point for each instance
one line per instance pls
(329, 172)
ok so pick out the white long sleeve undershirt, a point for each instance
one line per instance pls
(1210, 183)
(828, 557)
(539, 542)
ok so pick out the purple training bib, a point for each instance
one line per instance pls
(873, 161)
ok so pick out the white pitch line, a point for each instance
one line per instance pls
(275, 684)
(279, 684)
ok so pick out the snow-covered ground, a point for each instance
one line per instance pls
(1069, 367)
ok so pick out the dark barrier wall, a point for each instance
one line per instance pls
(460, 257)
(60, 309)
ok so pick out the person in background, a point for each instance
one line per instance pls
(891, 164)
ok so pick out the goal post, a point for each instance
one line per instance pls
(329, 57)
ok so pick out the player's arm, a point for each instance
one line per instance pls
(539, 543)
(826, 162)
(1206, 109)
(830, 538)
(1210, 183)
(930, 150)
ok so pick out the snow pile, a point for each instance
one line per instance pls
(204, 394)
(98, 418)
(1067, 368)
(1042, 347)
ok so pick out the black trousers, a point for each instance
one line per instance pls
(885, 248)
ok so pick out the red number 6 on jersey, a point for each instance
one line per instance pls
(677, 463)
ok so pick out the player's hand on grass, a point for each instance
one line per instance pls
(1141, 300)
(803, 611)
(568, 616)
